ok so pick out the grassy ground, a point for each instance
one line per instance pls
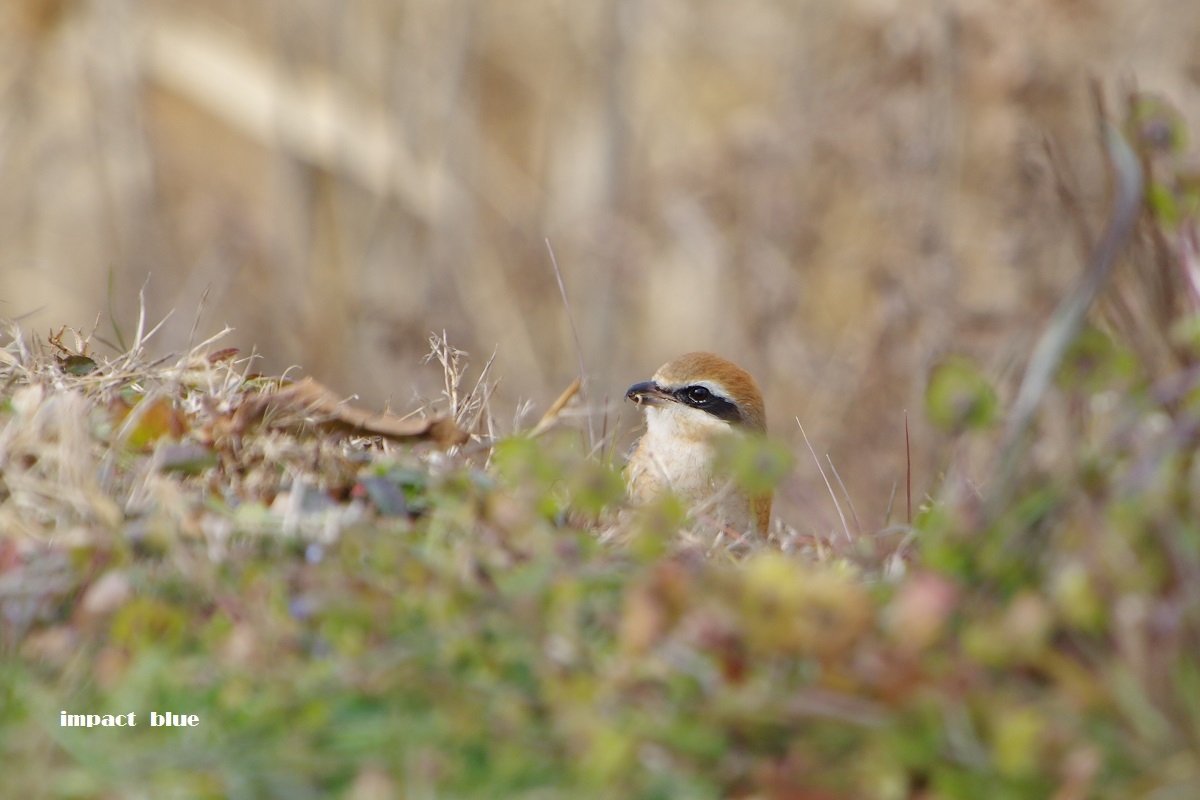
(353, 617)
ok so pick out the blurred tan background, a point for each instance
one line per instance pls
(833, 193)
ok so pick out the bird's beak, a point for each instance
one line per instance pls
(647, 393)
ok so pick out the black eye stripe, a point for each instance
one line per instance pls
(704, 399)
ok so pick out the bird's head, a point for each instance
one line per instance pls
(698, 395)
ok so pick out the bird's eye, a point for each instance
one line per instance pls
(698, 394)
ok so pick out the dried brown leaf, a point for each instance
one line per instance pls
(312, 398)
(226, 354)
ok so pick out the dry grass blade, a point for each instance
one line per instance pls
(477, 406)
(555, 411)
(1069, 316)
(817, 461)
(845, 494)
(469, 410)
(130, 358)
(562, 290)
(907, 471)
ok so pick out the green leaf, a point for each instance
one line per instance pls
(77, 365)
(959, 397)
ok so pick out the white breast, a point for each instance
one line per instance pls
(676, 454)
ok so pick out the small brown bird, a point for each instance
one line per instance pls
(690, 404)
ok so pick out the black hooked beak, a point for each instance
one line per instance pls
(647, 393)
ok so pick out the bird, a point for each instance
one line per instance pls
(691, 404)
